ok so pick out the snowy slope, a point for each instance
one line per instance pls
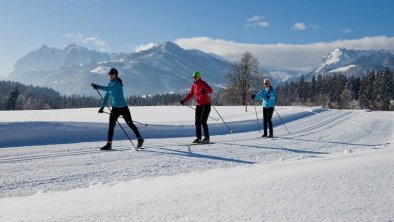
(336, 165)
(165, 67)
(354, 62)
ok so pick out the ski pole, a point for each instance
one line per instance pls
(133, 120)
(282, 121)
(118, 123)
(257, 118)
(231, 131)
(195, 109)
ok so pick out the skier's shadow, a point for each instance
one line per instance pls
(279, 148)
(189, 153)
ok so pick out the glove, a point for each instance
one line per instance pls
(202, 91)
(95, 86)
(267, 96)
(182, 102)
(253, 96)
(101, 110)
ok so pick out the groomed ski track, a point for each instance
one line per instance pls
(28, 170)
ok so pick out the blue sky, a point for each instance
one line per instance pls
(124, 25)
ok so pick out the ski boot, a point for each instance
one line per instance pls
(205, 140)
(108, 146)
(140, 143)
(196, 141)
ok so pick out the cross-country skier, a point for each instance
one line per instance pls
(268, 95)
(119, 107)
(201, 91)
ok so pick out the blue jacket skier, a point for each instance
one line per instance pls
(119, 107)
(268, 95)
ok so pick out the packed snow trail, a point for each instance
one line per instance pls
(355, 186)
(28, 170)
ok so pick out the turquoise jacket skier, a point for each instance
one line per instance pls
(119, 108)
(268, 96)
(114, 89)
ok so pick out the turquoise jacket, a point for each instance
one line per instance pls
(267, 103)
(115, 90)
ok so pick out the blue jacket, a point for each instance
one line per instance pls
(115, 90)
(271, 102)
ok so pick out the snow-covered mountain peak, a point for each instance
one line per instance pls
(338, 55)
(354, 62)
(164, 47)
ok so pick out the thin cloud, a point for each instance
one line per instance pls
(257, 21)
(300, 26)
(346, 30)
(144, 47)
(95, 41)
(298, 57)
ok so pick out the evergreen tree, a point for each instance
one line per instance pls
(367, 92)
(302, 89)
(383, 88)
(12, 98)
(353, 85)
(313, 89)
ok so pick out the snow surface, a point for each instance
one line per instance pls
(102, 70)
(343, 69)
(336, 165)
(334, 56)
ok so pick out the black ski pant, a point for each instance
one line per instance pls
(115, 113)
(267, 114)
(202, 113)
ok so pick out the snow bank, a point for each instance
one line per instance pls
(350, 187)
(43, 127)
(163, 115)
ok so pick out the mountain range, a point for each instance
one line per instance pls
(165, 67)
(352, 62)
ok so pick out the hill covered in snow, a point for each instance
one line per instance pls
(165, 67)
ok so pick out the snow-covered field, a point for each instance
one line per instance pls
(336, 165)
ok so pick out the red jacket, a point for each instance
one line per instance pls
(195, 90)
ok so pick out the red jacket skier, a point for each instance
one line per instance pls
(201, 91)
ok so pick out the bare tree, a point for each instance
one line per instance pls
(243, 77)
(345, 99)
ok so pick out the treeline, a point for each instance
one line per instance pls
(17, 96)
(155, 100)
(372, 91)
(375, 91)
